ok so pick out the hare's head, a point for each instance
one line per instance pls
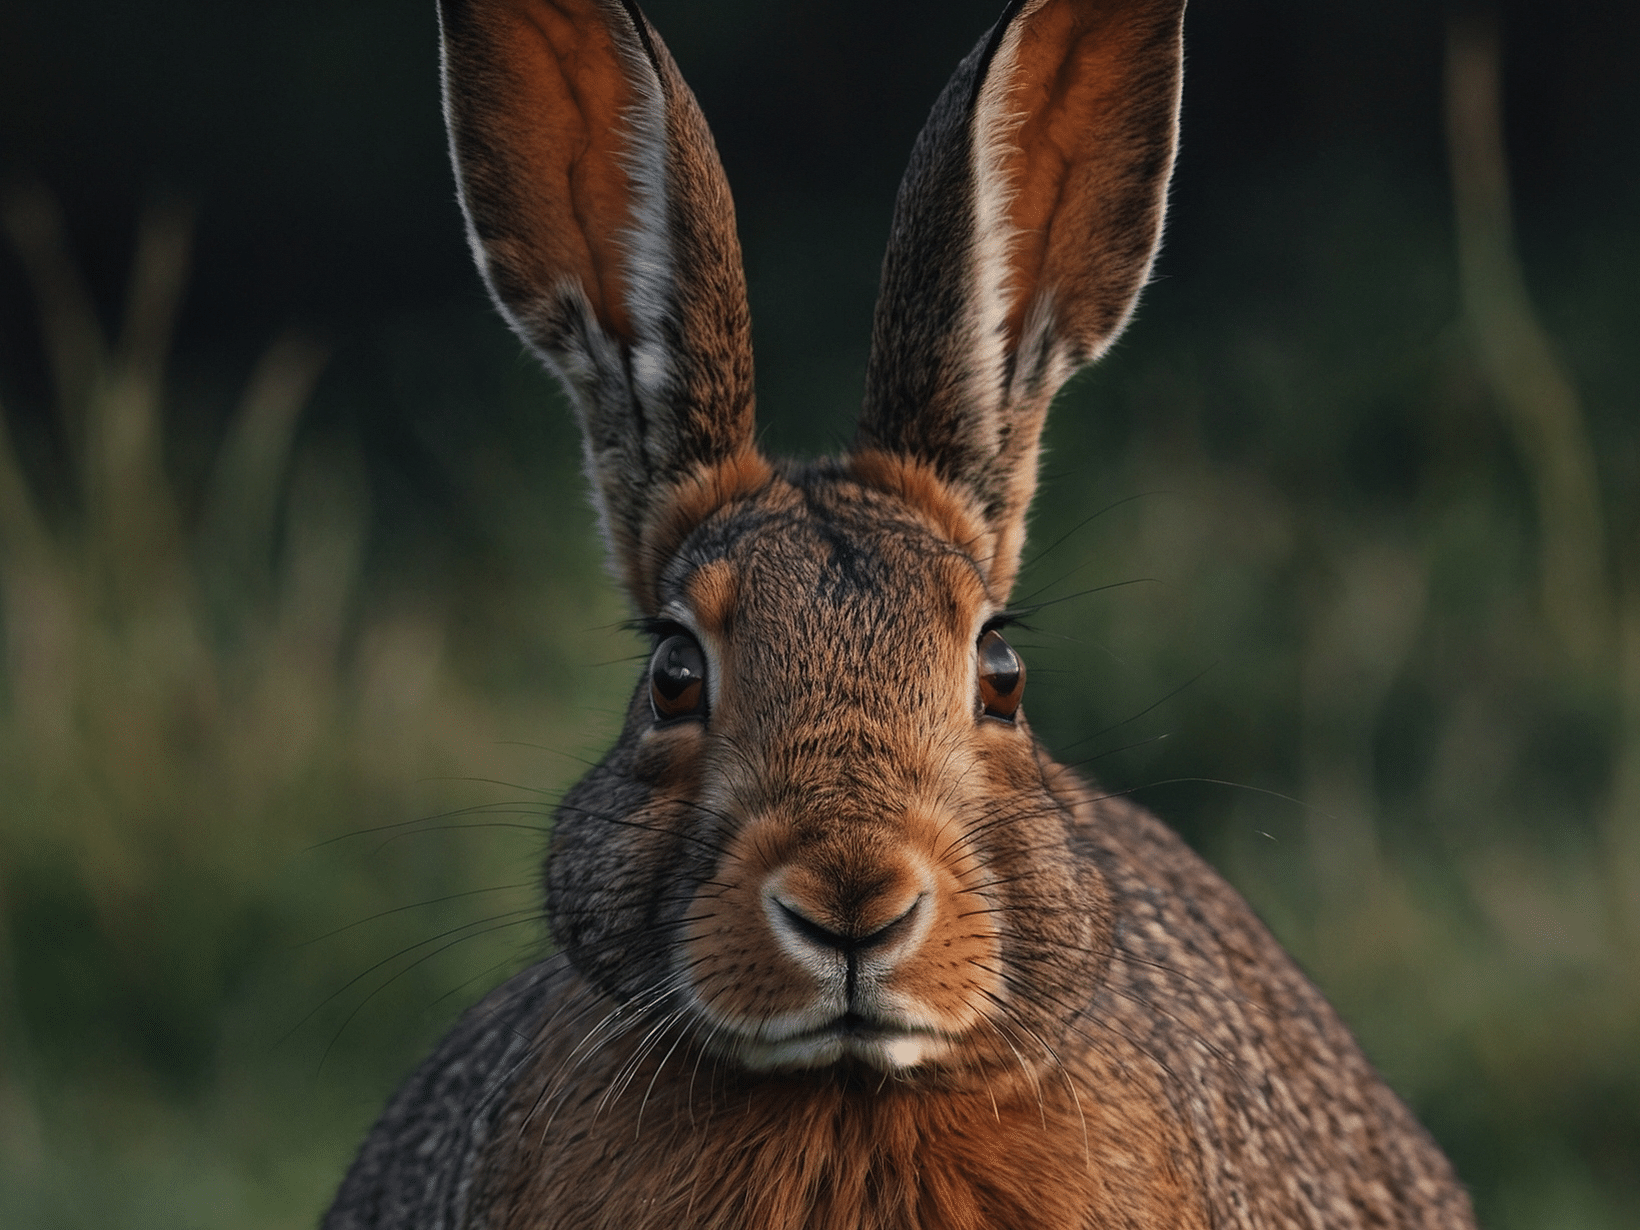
(826, 835)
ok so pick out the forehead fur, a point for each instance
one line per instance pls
(816, 543)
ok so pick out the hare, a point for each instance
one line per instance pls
(838, 944)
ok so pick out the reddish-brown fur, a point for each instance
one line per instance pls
(555, 118)
(705, 1147)
(567, 122)
(1079, 67)
(680, 509)
(949, 513)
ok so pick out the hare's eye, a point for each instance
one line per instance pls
(1001, 677)
(677, 679)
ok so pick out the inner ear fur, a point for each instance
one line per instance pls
(1090, 95)
(1025, 228)
(543, 100)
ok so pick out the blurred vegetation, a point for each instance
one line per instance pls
(203, 700)
(1338, 565)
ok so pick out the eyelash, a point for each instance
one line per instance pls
(1004, 619)
(657, 629)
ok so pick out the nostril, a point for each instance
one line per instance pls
(812, 931)
(890, 930)
(825, 937)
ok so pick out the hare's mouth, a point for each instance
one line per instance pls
(886, 1044)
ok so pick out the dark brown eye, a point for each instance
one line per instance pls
(1001, 677)
(677, 679)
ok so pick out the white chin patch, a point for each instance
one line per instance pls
(891, 1052)
(906, 1052)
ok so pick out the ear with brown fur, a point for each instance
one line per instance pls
(600, 218)
(1025, 228)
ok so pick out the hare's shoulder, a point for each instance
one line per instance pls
(1257, 1062)
(417, 1164)
(1174, 907)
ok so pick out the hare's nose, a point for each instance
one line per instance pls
(848, 940)
(872, 910)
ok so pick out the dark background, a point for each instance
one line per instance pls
(309, 136)
(1318, 474)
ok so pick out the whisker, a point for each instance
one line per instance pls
(1154, 705)
(475, 809)
(1082, 525)
(637, 1128)
(532, 912)
(417, 905)
(1212, 781)
(425, 957)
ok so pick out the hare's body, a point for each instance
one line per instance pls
(1215, 1088)
(839, 945)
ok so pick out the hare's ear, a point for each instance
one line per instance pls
(1025, 228)
(601, 220)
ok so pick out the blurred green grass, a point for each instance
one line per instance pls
(216, 725)
(271, 803)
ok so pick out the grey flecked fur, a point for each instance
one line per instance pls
(417, 1165)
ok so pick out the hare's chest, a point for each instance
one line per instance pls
(682, 1145)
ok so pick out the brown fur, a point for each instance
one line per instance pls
(843, 949)
(1087, 205)
(692, 498)
(565, 117)
(954, 517)
(704, 1147)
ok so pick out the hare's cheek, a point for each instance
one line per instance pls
(950, 981)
